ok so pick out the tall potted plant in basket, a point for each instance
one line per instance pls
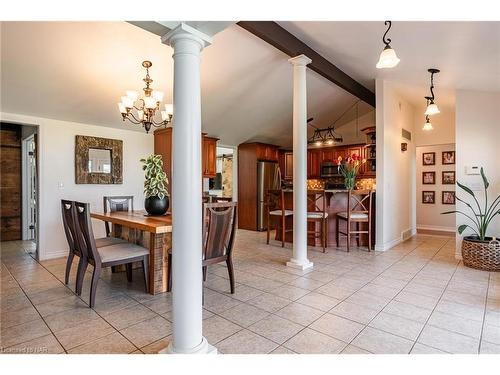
(349, 168)
(155, 186)
(478, 250)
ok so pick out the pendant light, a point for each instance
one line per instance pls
(427, 126)
(388, 58)
(432, 108)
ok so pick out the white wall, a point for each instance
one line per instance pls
(429, 215)
(443, 123)
(57, 174)
(477, 143)
(396, 212)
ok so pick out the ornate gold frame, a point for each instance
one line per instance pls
(82, 145)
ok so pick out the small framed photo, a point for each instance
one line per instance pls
(428, 197)
(448, 157)
(448, 178)
(429, 178)
(448, 197)
(429, 158)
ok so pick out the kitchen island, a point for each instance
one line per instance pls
(336, 201)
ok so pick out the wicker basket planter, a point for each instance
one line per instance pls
(481, 255)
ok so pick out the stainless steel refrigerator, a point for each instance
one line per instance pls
(268, 178)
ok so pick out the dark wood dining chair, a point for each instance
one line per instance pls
(359, 210)
(102, 257)
(317, 214)
(275, 204)
(69, 224)
(116, 203)
(219, 231)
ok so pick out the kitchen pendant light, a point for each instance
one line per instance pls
(432, 108)
(388, 57)
(427, 126)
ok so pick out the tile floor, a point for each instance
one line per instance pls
(414, 298)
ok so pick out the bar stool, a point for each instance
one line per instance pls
(276, 208)
(359, 210)
(317, 213)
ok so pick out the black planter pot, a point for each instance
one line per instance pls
(156, 206)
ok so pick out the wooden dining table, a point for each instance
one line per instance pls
(151, 232)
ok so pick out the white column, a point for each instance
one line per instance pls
(187, 43)
(299, 259)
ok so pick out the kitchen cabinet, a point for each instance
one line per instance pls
(288, 166)
(314, 163)
(354, 151)
(328, 155)
(209, 156)
(267, 152)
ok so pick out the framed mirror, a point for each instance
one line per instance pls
(98, 160)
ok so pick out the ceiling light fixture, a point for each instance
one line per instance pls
(427, 126)
(148, 107)
(432, 108)
(388, 58)
(322, 137)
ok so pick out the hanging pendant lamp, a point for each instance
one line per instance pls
(388, 57)
(432, 108)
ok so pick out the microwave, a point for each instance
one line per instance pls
(329, 170)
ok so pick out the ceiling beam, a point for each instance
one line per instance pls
(280, 38)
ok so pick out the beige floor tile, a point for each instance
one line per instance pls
(129, 316)
(289, 292)
(491, 334)
(418, 300)
(397, 325)
(246, 342)
(69, 318)
(216, 329)
(244, 314)
(298, 313)
(334, 291)
(244, 293)
(50, 295)
(379, 290)
(408, 311)
(276, 328)
(380, 342)
(14, 303)
(80, 334)
(157, 346)
(114, 343)
(23, 332)
(337, 327)
(492, 318)
(160, 304)
(305, 283)
(282, 350)
(18, 317)
(115, 303)
(448, 341)
(41, 345)
(269, 302)
(424, 349)
(357, 313)
(456, 324)
(147, 331)
(489, 348)
(318, 301)
(59, 305)
(368, 300)
(351, 349)
(464, 311)
(309, 341)
(217, 302)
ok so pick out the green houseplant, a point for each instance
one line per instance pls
(155, 186)
(478, 250)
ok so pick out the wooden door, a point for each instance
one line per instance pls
(288, 173)
(10, 182)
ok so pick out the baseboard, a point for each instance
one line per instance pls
(54, 254)
(436, 228)
(386, 246)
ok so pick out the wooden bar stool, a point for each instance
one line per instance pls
(276, 209)
(359, 210)
(317, 213)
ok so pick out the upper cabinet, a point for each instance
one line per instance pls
(314, 163)
(209, 156)
(267, 152)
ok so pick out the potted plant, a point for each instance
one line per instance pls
(155, 186)
(478, 250)
(349, 169)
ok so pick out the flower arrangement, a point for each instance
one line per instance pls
(349, 168)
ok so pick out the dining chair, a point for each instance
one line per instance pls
(69, 224)
(219, 230)
(102, 257)
(317, 213)
(275, 204)
(116, 203)
(359, 210)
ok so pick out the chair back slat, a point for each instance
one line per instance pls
(85, 234)
(68, 218)
(220, 226)
(316, 201)
(360, 201)
(115, 204)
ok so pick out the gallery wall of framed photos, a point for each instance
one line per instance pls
(436, 177)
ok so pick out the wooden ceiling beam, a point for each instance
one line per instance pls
(280, 38)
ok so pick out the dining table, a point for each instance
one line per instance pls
(152, 232)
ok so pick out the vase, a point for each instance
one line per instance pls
(350, 182)
(155, 206)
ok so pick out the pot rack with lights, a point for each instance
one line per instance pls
(144, 110)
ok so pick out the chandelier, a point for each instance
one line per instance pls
(143, 110)
(322, 137)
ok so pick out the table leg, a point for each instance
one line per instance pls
(158, 250)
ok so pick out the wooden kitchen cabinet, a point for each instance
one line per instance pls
(288, 170)
(267, 152)
(209, 156)
(328, 155)
(313, 163)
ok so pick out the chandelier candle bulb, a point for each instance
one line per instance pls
(158, 95)
(164, 115)
(127, 102)
(169, 108)
(140, 114)
(122, 108)
(133, 95)
(149, 102)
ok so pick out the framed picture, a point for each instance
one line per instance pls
(428, 197)
(448, 197)
(428, 178)
(429, 158)
(448, 178)
(448, 157)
